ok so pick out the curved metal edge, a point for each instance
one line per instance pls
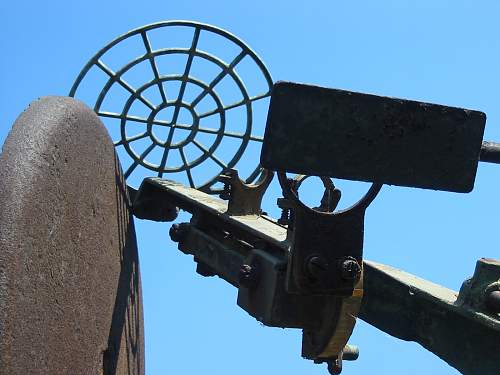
(155, 25)
(361, 204)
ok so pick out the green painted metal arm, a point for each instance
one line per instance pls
(457, 327)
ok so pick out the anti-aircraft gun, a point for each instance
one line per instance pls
(303, 270)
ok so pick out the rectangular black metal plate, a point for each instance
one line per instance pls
(327, 132)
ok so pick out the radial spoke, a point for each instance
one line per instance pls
(234, 105)
(169, 125)
(165, 151)
(186, 167)
(185, 76)
(255, 138)
(210, 155)
(219, 77)
(123, 83)
(131, 139)
(147, 44)
(136, 162)
(209, 130)
(232, 134)
(121, 116)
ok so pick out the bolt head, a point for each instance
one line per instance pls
(247, 276)
(350, 268)
(335, 366)
(317, 267)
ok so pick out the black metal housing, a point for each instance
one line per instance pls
(327, 132)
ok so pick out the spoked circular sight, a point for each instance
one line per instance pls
(173, 119)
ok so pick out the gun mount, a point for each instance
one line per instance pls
(251, 252)
(306, 269)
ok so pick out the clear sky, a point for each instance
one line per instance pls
(446, 52)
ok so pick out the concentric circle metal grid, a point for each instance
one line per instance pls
(184, 116)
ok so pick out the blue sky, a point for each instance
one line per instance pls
(446, 52)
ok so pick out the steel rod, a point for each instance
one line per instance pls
(490, 152)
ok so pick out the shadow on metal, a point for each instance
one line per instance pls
(127, 311)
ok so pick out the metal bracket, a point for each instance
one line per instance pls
(326, 248)
(244, 199)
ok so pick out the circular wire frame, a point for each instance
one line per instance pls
(177, 104)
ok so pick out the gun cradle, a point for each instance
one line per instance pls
(251, 252)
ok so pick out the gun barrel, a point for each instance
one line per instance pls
(490, 152)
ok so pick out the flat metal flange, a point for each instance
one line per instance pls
(69, 276)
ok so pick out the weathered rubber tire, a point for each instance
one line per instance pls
(70, 293)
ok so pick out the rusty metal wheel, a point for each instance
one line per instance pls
(70, 293)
